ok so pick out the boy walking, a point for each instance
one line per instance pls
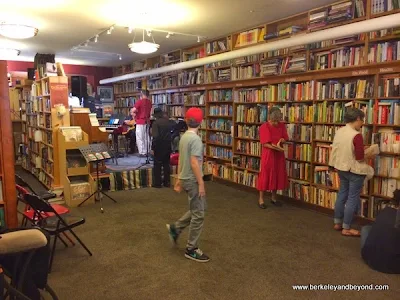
(190, 179)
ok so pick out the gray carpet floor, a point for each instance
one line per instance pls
(255, 254)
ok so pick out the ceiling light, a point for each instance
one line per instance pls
(143, 47)
(86, 44)
(198, 39)
(16, 31)
(120, 57)
(130, 29)
(168, 35)
(148, 32)
(96, 38)
(109, 31)
(6, 52)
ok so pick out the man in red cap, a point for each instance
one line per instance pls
(190, 179)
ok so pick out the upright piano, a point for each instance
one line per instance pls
(89, 124)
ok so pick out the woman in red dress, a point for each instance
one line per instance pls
(272, 176)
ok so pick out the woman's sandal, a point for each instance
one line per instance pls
(338, 227)
(351, 232)
(262, 205)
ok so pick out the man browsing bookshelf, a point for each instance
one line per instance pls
(190, 179)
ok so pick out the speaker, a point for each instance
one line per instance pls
(31, 73)
(79, 86)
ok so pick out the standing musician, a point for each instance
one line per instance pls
(143, 110)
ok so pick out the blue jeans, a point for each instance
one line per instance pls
(348, 199)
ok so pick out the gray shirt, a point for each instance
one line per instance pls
(190, 145)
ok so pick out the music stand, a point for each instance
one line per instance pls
(89, 153)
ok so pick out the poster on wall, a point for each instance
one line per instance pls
(106, 94)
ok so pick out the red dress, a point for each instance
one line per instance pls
(273, 175)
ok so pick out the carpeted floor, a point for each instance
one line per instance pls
(255, 254)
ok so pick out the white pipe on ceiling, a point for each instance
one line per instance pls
(296, 40)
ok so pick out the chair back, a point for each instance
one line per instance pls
(38, 204)
(21, 182)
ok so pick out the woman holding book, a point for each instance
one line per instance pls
(272, 176)
(349, 159)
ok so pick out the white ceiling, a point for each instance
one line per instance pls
(64, 24)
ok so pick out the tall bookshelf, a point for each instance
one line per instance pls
(42, 122)
(312, 84)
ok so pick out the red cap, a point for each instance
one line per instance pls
(195, 114)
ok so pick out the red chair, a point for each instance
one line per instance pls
(28, 214)
(174, 159)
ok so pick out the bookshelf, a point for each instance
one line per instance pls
(42, 121)
(312, 84)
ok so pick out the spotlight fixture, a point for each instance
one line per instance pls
(96, 38)
(143, 47)
(86, 44)
(6, 53)
(198, 39)
(119, 57)
(168, 35)
(109, 31)
(130, 29)
(148, 32)
(17, 31)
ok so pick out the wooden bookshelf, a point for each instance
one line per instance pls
(42, 123)
(306, 82)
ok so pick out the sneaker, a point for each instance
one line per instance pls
(173, 235)
(196, 255)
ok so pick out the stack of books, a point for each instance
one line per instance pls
(271, 67)
(340, 12)
(317, 20)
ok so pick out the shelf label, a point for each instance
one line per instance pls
(219, 86)
(239, 84)
(184, 90)
(264, 82)
(361, 72)
(386, 70)
(291, 79)
(200, 88)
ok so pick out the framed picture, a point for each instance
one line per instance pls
(106, 94)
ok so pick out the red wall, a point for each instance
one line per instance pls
(93, 74)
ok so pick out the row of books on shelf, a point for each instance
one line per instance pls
(220, 152)
(380, 6)
(218, 75)
(127, 87)
(220, 110)
(247, 114)
(125, 101)
(298, 132)
(298, 170)
(246, 147)
(246, 162)
(248, 131)
(220, 138)
(336, 13)
(337, 58)
(191, 77)
(297, 151)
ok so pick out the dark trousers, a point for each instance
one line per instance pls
(162, 154)
(131, 137)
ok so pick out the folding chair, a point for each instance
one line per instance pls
(28, 212)
(56, 224)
